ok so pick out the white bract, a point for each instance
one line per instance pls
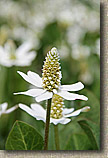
(22, 56)
(50, 84)
(4, 110)
(41, 94)
(38, 112)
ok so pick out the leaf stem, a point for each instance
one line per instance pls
(47, 125)
(56, 137)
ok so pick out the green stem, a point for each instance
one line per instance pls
(47, 125)
(56, 137)
(3, 76)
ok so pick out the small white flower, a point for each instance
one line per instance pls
(21, 56)
(38, 112)
(3, 108)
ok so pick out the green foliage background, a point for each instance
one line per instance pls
(75, 135)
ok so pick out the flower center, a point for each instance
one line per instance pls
(51, 75)
(12, 56)
(11, 48)
(56, 107)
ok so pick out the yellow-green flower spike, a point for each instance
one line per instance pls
(57, 107)
(51, 75)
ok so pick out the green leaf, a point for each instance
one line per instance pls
(92, 131)
(78, 141)
(24, 137)
(73, 137)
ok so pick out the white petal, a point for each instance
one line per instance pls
(42, 118)
(65, 121)
(30, 56)
(73, 87)
(4, 106)
(86, 109)
(11, 109)
(22, 63)
(25, 47)
(35, 77)
(6, 62)
(61, 120)
(27, 109)
(32, 92)
(75, 113)
(29, 79)
(2, 50)
(44, 96)
(67, 111)
(27, 59)
(32, 112)
(71, 96)
(39, 110)
(7, 47)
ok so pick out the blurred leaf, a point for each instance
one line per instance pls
(78, 141)
(52, 34)
(92, 132)
(73, 137)
(24, 137)
(90, 38)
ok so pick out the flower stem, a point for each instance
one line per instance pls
(56, 137)
(47, 125)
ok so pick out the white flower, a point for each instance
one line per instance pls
(38, 112)
(3, 108)
(80, 51)
(41, 94)
(21, 56)
(44, 89)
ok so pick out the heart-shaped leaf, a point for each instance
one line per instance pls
(24, 137)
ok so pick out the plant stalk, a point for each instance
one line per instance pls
(47, 125)
(56, 137)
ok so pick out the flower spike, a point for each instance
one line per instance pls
(56, 106)
(51, 75)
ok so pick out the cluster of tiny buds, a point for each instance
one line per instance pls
(51, 75)
(57, 107)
